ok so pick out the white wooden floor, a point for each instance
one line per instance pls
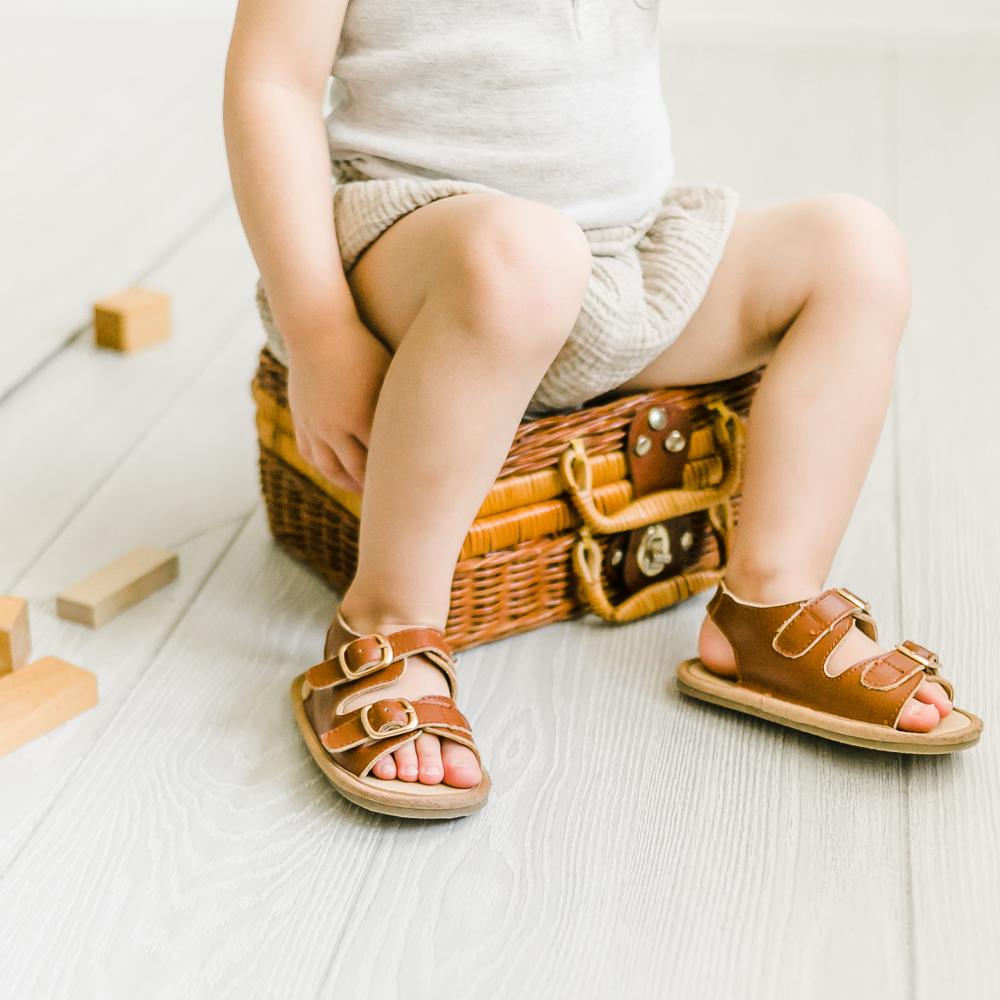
(177, 841)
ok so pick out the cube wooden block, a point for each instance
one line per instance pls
(106, 593)
(41, 696)
(15, 636)
(131, 319)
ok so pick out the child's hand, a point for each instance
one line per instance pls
(334, 379)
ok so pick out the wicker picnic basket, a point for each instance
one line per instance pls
(621, 508)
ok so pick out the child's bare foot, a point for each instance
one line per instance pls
(427, 759)
(921, 713)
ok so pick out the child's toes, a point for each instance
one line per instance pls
(932, 693)
(429, 756)
(918, 717)
(406, 762)
(461, 769)
(385, 768)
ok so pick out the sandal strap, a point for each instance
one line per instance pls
(888, 670)
(373, 656)
(362, 737)
(359, 738)
(815, 619)
(803, 635)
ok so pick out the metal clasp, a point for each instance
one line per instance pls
(653, 553)
(853, 598)
(386, 658)
(391, 728)
(925, 663)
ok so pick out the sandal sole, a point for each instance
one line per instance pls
(959, 730)
(404, 799)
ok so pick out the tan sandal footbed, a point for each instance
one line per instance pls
(407, 799)
(959, 730)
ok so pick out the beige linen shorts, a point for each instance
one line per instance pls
(647, 277)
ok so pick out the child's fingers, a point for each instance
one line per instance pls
(363, 434)
(302, 444)
(330, 465)
(353, 456)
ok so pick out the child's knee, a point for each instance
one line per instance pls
(862, 257)
(519, 274)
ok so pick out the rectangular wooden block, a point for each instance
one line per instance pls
(41, 696)
(106, 593)
(131, 319)
(15, 636)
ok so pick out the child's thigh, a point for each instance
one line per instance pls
(750, 297)
(463, 240)
(775, 258)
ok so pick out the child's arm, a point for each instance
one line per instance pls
(280, 57)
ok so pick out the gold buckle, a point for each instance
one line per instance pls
(383, 644)
(853, 598)
(398, 729)
(925, 663)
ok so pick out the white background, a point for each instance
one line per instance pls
(898, 16)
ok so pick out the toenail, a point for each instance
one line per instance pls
(431, 771)
(409, 771)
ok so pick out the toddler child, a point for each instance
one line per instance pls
(504, 238)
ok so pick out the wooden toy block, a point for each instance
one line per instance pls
(131, 319)
(41, 696)
(15, 636)
(106, 593)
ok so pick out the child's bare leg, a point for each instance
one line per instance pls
(820, 289)
(475, 294)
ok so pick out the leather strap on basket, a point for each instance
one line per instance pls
(730, 435)
(729, 432)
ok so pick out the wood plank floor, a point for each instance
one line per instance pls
(178, 840)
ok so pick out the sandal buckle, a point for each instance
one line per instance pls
(391, 728)
(922, 660)
(853, 598)
(386, 657)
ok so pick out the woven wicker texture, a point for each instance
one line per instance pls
(516, 569)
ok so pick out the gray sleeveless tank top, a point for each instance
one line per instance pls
(558, 101)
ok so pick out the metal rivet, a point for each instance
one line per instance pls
(616, 557)
(657, 418)
(687, 540)
(642, 444)
(674, 441)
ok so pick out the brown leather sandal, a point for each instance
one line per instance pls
(781, 652)
(348, 745)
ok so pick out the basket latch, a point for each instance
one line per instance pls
(654, 540)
